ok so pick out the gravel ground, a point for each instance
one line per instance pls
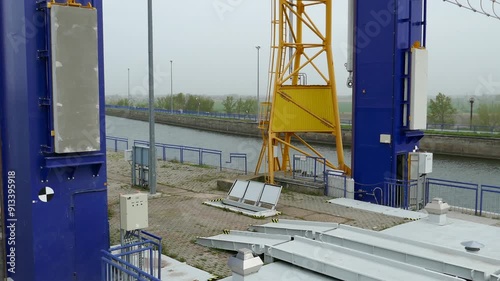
(179, 216)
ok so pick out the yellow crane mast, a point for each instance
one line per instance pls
(299, 47)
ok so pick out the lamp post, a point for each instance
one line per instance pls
(171, 87)
(152, 143)
(128, 87)
(471, 100)
(258, 81)
(198, 101)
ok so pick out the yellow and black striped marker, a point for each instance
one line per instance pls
(216, 200)
(275, 220)
(226, 231)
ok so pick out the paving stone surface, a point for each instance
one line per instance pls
(179, 216)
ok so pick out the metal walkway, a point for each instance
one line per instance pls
(330, 241)
(235, 240)
(432, 257)
(307, 229)
(347, 264)
(327, 259)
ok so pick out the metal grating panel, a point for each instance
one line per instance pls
(75, 81)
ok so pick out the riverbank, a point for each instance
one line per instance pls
(487, 148)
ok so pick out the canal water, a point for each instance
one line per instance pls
(455, 168)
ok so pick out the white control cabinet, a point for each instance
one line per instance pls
(134, 211)
(420, 163)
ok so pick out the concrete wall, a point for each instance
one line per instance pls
(439, 144)
(462, 146)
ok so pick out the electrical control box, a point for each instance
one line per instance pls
(420, 163)
(425, 163)
(128, 155)
(134, 211)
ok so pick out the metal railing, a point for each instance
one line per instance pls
(184, 153)
(243, 156)
(402, 194)
(116, 144)
(241, 116)
(115, 269)
(338, 185)
(219, 115)
(461, 196)
(489, 204)
(482, 200)
(309, 167)
(463, 128)
(140, 260)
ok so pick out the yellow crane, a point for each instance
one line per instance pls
(299, 45)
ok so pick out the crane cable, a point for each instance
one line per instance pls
(495, 4)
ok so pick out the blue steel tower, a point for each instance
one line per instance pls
(53, 140)
(387, 98)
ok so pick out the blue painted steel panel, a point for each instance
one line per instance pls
(384, 33)
(87, 230)
(45, 236)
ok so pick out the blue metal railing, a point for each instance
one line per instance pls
(401, 194)
(135, 261)
(336, 184)
(309, 167)
(462, 196)
(116, 143)
(241, 116)
(447, 190)
(191, 154)
(220, 115)
(182, 149)
(463, 128)
(113, 268)
(243, 156)
(489, 203)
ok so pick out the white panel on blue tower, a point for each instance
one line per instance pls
(419, 77)
(75, 81)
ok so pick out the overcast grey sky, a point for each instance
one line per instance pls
(212, 45)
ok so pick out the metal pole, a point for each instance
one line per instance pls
(128, 88)
(171, 87)
(470, 116)
(152, 143)
(258, 81)
(350, 43)
(471, 100)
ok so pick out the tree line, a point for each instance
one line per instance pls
(187, 102)
(441, 109)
